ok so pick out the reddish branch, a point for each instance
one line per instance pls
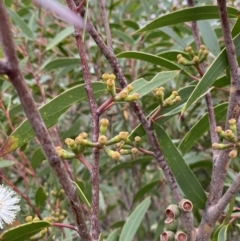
(9, 66)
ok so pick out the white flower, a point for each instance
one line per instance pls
(8, 205)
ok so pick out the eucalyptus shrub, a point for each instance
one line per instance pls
(119, 120)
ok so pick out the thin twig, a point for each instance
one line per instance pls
(29, 106)
(94, 230)
(106, 24)
(216, 203)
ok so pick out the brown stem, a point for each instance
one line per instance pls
(216, 204)
(94, 231)
(106, 24)
(83, 160)
(32, 113)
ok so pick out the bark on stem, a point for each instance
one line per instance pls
(94, 231)
(16, 78)
(216, 204)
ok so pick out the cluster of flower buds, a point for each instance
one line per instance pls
(42, 233)
(58, 215)
(230, 136)
(171, 100)
(57, 194)
(171, 224)
(124, 95)
(124, 145)
(195, 59)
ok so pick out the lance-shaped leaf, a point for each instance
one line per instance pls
(187, 15)
(150, 58)
(130, 227)
(217, 67)
(143, 87)
(24, 232)
(181, 171)
(50, 113)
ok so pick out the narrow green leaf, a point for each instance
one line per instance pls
(230, 210)
(123, 36)
(24, 232)
(181, 171)
(174, 36)
(216, 68)
(209, 37)
(187, 15)
(154, 59)
(131, 24)
(21, 24)
(222, 235)
(40, 196)
(6, 163)
(50, 113)
(143, 87)
(198, 130)
(60, 63)
(114, 235)
(236, 27)
(145, 189)
(60, 37)
(131, 225)
(82, 196)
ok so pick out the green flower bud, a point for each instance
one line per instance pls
(111, 87)
(64, 154)
(29, 219)
(221, 146)
(177, 99)
(134, 150)
(132, 97)
(43, 231)
(190, 51)
(103, 126)
(112, 76)
(105, 77)
(121, 96)
(48, 219)
(113, 140)
(35, 219)
(185, 62)
(137, 140)
(112, 154)
(232, 126)
(102, 140)
(83, 135)
(125, 152)
(71, 145)
(232, 153)
(186, 205)
(195, 60)
(230, 136)
(167, 102)
(173, 95)
(179, 56)
(123, 135)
